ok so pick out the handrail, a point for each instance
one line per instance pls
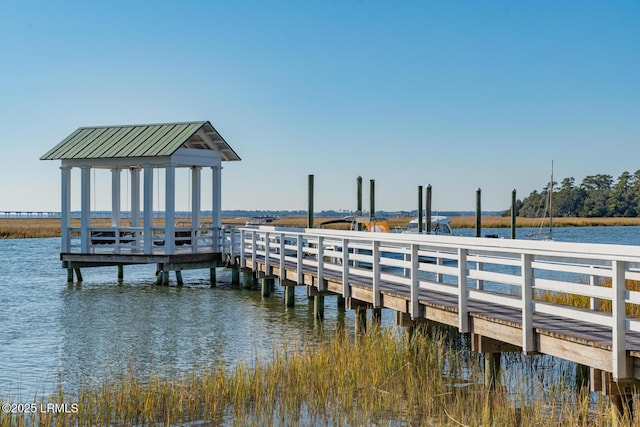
(502, 272)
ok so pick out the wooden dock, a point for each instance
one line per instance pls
(490, 288)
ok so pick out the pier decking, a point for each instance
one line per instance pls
(498, 290)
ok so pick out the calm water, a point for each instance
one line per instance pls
(53, 333)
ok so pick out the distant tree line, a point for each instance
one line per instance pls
(597, 196)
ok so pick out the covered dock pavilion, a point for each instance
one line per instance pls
(142, 151)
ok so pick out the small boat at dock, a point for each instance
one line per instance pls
(439, 225)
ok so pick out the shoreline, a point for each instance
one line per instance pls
(16, 228)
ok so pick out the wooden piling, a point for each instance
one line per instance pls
(340, 303)
(78, 274)
(267, 285)
(69, 275)
(420, 209)
(310, 203)
(428, 210)
(165, 277)
(513, 214)
(318, 307)
(179, 278)
(359, 200)
(212, 277)
(120, 273)
(235, 274)
(491, 370)
(376, 316)
(289, 295)
(478, 212)
(372, 198)
(360, 320)
(247, 278)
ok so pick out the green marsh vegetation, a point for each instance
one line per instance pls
(380, 378)
(15, 228)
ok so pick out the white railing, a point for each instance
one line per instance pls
(509, 273)
(131, 240)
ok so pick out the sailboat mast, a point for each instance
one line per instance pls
(551, 203)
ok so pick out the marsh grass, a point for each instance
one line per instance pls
(382, 378)
(11, 228)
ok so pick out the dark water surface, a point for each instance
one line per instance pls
(52, 333)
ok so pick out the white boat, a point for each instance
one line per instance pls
(439, 225)
(259, 220)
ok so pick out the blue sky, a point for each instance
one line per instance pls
(458, 94)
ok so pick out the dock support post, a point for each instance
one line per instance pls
(583, 374)
(179, 278)
(360, 320)
(289, 295)
(340, 303)
(69, 275)
(478, 212)
(513, 214)
(212, 277)
(623, 404)
(267, 285)
(78, 274)
(247, 278)
(491, 370)
(120, 273)
(376, 316)
(165, 277)
(235, 274)
(318, 307)
(491, 350)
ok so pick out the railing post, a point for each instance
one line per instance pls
(346, 290)
(463, 315)
(283, 275)
(415, 282)
(528, 344)
(619, 351)
(377, 297)
(594, 303)
(480, 282)
(267, 253)
(321, 286)
(243, 260)
(254, 255)
(299, 261)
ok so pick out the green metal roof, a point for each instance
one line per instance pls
(150, 140)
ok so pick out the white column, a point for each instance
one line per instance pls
(148, 209)
(196, 196)
(216, 209)
(85, 208)
(135, 197)
(170, 210)
(65, 209)
(115, 197)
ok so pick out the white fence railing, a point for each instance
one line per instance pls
(131, 240)
(509, 273)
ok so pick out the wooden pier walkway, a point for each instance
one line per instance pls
(492, 288)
